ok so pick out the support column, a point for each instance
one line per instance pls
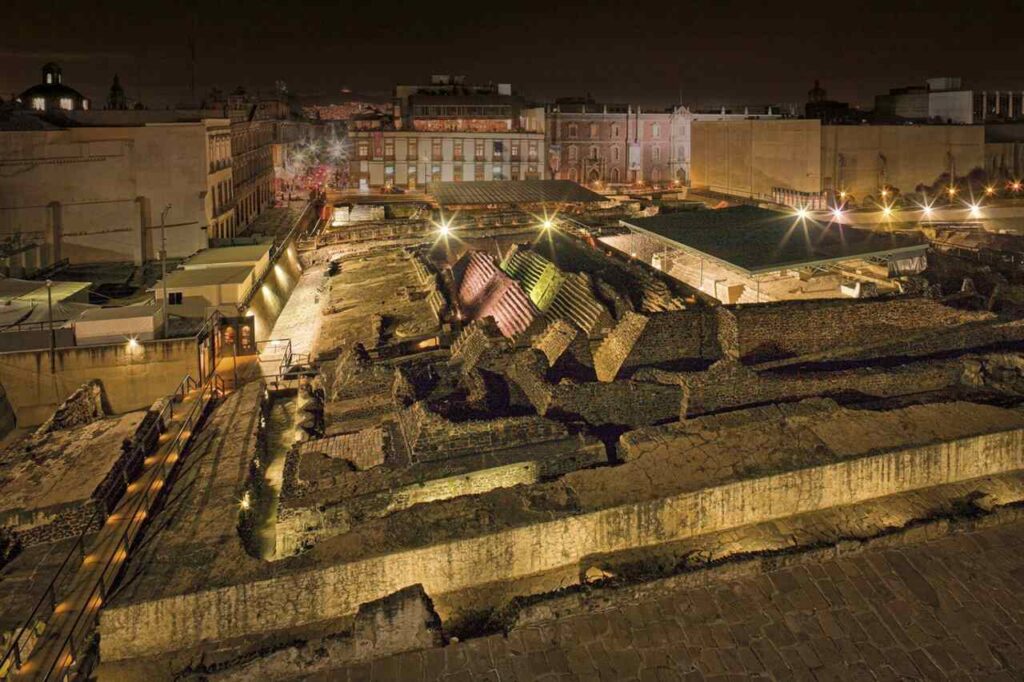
(54, 235)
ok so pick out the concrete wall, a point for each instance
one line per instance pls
(133, 377)
(88, 194)
(750, 157)
(332, 591)
(860, 159)
(269, 301)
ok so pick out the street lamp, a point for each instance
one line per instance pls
(163, 266)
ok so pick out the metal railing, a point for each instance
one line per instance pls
(13, 657)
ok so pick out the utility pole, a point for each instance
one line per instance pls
(163, 267)
(53, 336)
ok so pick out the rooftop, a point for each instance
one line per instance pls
(119, 312)
(35, 291)
(756, 240)
(512, 192)
(231, 274)
(227, 255)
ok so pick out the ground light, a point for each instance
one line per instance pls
(926, 211)
(837, 213)
(887, 211)
(975, 211)
(547, 224)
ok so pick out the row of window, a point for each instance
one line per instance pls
(572, 130)
(65, 103)
(595, 153)
(458, 151)
(517, 172)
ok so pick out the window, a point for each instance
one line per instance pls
(389, 149)
(479, 149)
(615, 130)
(532, 150)
(458, 150)
(656, 154)
(412, 175)
(435, 150)
(594, 130)
(572, 152)
(593, 152)
(364, 150)
(572, 131)
(656, 130)
(435, 173)
(515, 150)
(38, 103)
(615, 174)
(412, 149)
(496, 173)
(175, 298)
(615, 153)
(85, 104)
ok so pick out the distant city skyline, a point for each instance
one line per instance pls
(725, 52)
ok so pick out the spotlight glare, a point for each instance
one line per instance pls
(975, 211)
(547, 224)
(990, 190)
(837, 213)
(802, 213)
(887, 211)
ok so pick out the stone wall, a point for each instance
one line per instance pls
(84, 406)
(331, 591)
(268, 302)
(431, 437)
(654, 340)
(616, 403)
(789, 329)
(729, 385)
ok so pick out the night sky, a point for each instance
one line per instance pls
(651, 53)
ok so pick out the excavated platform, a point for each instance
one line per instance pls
(376, 299)
(50, 480)
(678, 482)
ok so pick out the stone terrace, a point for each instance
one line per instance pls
(949, 608)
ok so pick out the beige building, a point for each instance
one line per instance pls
(407, 158)
(95, 193)
(801, 161)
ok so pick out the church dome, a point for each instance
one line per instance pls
(52, 93)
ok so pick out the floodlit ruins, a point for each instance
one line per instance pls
(515, 435)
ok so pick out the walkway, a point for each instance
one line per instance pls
(72, 624)
(299, 321)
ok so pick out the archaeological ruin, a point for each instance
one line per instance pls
(512, 448)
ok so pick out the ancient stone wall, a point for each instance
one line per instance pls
(431, 437)
(303, 598)
(657, 339)
(789, 329)
(84, 406)
(729, 385)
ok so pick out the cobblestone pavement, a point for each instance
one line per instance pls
(952, 608)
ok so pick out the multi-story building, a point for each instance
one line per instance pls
(609, 143)
(95, 191)
(946, 100)
(449, 131)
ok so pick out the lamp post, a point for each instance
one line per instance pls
(163, 267)
(53, 336)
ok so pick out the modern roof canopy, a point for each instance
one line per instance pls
(512, 192)
(757, 241)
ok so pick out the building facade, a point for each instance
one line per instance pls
(946, 100)
(95, 193)
(448, 131)
(595, 144)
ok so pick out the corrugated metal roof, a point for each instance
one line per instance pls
(757, 240)
(512, 192)
(229, 274)
(248, 253)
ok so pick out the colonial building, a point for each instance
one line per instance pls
(51, 94)
(449, 131)
(609, 143)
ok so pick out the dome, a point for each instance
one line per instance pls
(52, 93)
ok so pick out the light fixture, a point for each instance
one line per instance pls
(802, 213)
(951, 191)
(990, 190)
(887, 211)
(926, 211)
(547, 224)
(885, 193)
(837, 213)
(842, 195)
(443, 228)
(975, 211)
(133, 343)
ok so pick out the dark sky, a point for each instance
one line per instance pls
(651, 53)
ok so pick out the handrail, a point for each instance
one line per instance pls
(216, 388)
(137, 518)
